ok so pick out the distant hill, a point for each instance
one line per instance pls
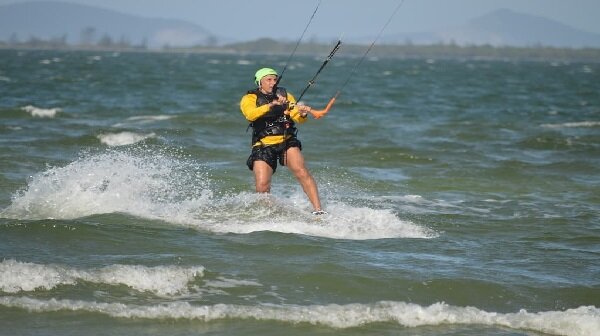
(80, 24)
(504, 27)
(73, 24)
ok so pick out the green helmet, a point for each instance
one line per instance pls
(262, 73)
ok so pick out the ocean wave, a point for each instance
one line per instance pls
(160, 187)
(143, 119)
(16, 276)
(581, 321)
(573, 124)
(123, 138)
(41, 112)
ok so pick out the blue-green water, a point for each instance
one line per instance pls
(463, 199)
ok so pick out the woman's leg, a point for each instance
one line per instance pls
(295, 163)
(262, 176)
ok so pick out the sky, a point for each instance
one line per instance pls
(251, 19)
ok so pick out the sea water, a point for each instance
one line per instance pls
(463, 198)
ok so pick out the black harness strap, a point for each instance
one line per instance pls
(273, 122)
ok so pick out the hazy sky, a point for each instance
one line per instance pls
(248, 19)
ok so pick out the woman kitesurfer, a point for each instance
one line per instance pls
(273, 113)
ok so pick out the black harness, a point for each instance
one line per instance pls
(273, 122)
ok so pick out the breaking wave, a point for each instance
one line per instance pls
(41, 112)
(581, 321)
(573, 124)
(123, 138)
(16, 276)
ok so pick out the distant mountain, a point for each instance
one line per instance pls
(76, 24)
(504, 27)
(80, 24)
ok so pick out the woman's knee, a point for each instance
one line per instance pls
(301, 173)
(263, 187)
(262, 175)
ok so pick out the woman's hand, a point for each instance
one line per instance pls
(281, 100)
(304, 110)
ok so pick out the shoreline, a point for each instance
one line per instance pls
(436, 51)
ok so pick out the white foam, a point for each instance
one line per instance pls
(41, 112)
(18, 276)
(222, 282)
(123, 138)
(110, 182)
(249, 212)
(164, 188)
(573, 124)
(150, 118)
(581, 321)
(50, 61)
(143, 119)
(406, 198)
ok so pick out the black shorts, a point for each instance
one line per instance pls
(272, 154)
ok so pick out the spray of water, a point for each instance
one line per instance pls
(155, 185)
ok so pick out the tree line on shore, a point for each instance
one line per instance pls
(87, 40)
(410, 50)
(271, 46)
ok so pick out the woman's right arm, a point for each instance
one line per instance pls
(249, 109)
